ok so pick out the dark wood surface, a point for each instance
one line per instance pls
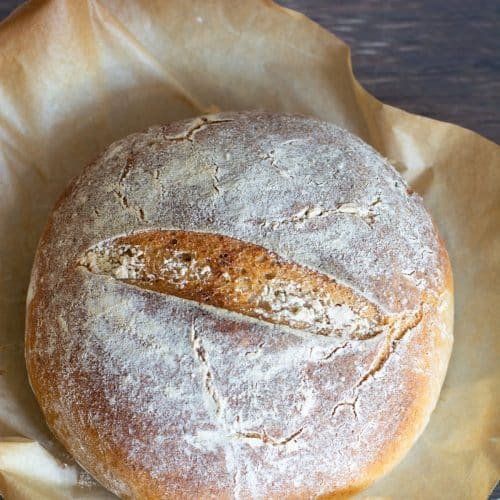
(438, 58)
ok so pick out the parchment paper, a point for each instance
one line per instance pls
(75, 75)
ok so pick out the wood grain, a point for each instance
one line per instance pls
(437, 58)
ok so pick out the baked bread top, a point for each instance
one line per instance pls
(239, 305)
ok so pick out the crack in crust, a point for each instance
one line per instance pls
(218, 403)
(269, 156)
(120, 191)
(334, 351)
(350, 404)
(237, 483)
(195, 126)
(208, 382)
(392, 338)
(267, 439)
(215, 179)
(367, 214)
(134, 209)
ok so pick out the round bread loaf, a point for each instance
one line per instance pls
(242, 305)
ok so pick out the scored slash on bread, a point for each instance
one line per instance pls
(241, 277)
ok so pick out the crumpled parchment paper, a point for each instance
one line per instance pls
(75, 75)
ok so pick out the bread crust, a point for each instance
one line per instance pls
(158, 395)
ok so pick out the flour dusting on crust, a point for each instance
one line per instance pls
(154, 393)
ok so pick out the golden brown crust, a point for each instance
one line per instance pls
(162, 397)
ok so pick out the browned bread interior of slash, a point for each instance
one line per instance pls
(237, 276)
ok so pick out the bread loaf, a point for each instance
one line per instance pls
(242, 305)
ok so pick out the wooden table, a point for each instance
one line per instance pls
(438, 58)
